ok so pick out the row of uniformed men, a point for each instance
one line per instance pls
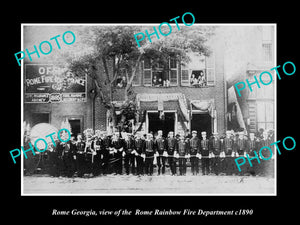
(105, 154)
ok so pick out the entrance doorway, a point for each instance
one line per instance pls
(202, 122)
(75, 126)
(166, 123)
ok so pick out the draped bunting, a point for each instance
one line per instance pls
(165, 97)
(204, 106)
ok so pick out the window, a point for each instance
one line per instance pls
(159, 76)
(138, 75)
(267, 52)
(185, 81)
(265, 115)
(197, 78)
(200, 72)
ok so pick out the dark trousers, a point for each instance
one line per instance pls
(89, 163)
(105, 162)
(216, 165)
(97, 165)
(118, 164)
(68, 165)
(149, 163)
(81, 164)
(172, 164)
(194, 165)
(205, 165)
(53, 164)
(129, 161)
(139, 165)
(161, 164)
(182, 166)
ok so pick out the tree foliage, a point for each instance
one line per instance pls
(115, 49)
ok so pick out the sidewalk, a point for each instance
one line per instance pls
(157, 185)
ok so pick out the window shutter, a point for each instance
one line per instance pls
(185, 77)
(210, 69)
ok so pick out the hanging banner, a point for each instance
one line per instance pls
(46, 83)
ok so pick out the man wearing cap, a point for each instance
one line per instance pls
(194, 150)
(204, 154)
(161, 146)
(149, 154)
(216, 149)
(253, 147)
(171, 144)
(80, 156)
(105, 146)
(139, 144)
(129, 158)
(182, 149)
(118, 146)
(227, 147)
(96, 146)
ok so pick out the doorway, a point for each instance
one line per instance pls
(201, 122)
(75, 126)
(166, 123)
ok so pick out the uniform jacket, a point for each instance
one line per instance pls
(194, 145)
(171, 145)
(182, 147)
(161, 145)
(129, 145)
(150, 146)
(228, 146)
(139, 145)
(204, 147)
(215, 144)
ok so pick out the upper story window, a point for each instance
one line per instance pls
(267, 46)
(200, 72)
(160, 76)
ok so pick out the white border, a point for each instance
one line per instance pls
(149, 24)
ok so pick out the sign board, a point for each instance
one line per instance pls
(46, 83)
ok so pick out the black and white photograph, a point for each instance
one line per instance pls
(148, 109)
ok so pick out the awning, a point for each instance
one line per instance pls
(204, 106)
(165, 97)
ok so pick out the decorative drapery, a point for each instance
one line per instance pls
(204, 106)
(165, 97)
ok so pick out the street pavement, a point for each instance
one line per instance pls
(149, 185)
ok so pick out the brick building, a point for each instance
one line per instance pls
(187, 97)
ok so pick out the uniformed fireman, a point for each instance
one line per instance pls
(194, 152)
(216, 150)
(253, 145)
(241, 148)
(97, 165)
(205, 154)
(89, 154)
(105, 148)
(182, 149)
(149, 154)
(129, 158)
(227, 147)
(140, 149)
(161, 147)
(80, 156)
(118, 146)
(171, 143)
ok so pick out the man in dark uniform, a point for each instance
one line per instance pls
(149, 154)
(89, 155)
(265, 165)
(204, 154)
(194, 152)
(129, 158)
(182, 149)
(118, 145)
(53, 159)
(105, 148)
(80, 156)
(171, 143)
(161, 146)
(140, 149)
(67, 150)
(227, 147)
(253, 145)
(216, 150)
(242, 148)
(97, 165)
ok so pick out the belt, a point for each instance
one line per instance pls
(149, 150)
(204, 148)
